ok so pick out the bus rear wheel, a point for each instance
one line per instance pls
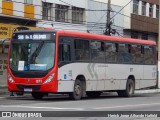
(77, 91)
(37, 95)
(130, 86)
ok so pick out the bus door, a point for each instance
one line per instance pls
(64, 59)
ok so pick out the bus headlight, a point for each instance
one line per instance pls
(10, 79)
(49, 79)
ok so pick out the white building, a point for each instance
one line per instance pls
(64, 14)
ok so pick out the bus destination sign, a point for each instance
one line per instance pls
(32, 36)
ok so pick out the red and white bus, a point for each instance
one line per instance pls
(79, 64)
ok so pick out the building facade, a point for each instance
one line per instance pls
(144, 17)
(15, 15)
(64, 14)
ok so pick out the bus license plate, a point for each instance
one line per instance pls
(28, 89)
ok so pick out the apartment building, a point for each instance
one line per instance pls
(144, 20)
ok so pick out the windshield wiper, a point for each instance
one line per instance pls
(36, 52)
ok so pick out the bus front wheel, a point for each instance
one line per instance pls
(77, 91)
(37, 95)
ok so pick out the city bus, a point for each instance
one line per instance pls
(79, 64)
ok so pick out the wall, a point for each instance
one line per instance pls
(18, 8)
(18, 11)
(77, 3)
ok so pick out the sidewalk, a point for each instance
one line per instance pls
(3, 90)
(147, 91)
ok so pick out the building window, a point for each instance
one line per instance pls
(28, 2)
(144, 36)
(47, 11)
(150, 10)
(135, 6)
(157, 11)
(61, 13)
(143, 8)
(7, 0)
(77, 15)
(134, 35)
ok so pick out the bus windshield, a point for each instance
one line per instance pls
(32, 56)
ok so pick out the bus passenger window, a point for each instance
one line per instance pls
(149, 55)
(97, 51)
(137, 56)
(82, 50)
(111, 54)
(64, 52)
(124, 55)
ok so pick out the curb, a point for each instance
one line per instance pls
(147, 91)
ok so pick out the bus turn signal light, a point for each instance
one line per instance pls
(10, 79)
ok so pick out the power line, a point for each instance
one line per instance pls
(56, 7)
(80, 21)
(122, 9)
(97, 22)
(84, 22)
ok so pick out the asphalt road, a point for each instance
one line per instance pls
(64, 108)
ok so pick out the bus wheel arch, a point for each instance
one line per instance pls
(130, 86)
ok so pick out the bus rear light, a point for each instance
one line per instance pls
(10, 79)
(49, 79)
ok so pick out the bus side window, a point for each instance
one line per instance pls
(137, 54)
(82, 52)
(97, 51)
(64, 52)
(111, 54)
(123, 54)
(149, 56)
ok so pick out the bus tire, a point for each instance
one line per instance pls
(93, 94)
(37, 95)
(77, 91)
(130, 86)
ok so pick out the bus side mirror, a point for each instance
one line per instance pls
(5, 45)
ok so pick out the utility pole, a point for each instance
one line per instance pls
(108, 24)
